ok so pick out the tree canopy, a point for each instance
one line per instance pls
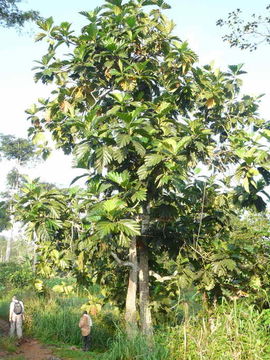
(19, 149)
(143, 120)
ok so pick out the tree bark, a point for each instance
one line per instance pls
(131, 309)
(145, 312)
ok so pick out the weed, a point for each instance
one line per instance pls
(8, 344)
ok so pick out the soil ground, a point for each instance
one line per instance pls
(30, 349)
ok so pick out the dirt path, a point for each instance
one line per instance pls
(30, 349)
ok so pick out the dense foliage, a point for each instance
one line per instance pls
(142, 119)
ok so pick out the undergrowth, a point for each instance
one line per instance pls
(229, 331)
(7, 344)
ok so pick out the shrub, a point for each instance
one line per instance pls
(13, 275)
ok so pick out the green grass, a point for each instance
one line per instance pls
(136, 348)
(4, 309)
(76, 354)
(61, 324)
(230, 331)
(8, 344)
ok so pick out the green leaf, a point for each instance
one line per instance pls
(161, 109)
(115, 2)
(118, 96)
(139, 148)
(103, 157)
(131, 21)
(46, 24)
(39, 138)
(121, 179)
(118, 155)
(246, 184)
(113, 204)
(91, 31)
(143, 172)
(184, 142)
(139, 195)
(123, 140)
(40, 36)
(129, 227)
(82, 150)
(153, 159)
(114, 110)
(114, 72)
(105, 228)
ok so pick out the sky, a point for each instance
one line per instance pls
(195, 22)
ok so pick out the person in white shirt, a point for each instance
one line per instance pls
(85, 325)
(16, 317)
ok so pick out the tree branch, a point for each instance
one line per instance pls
(162, 278)
(124, 263)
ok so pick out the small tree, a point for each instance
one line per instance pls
(22, 151)
(138, 114)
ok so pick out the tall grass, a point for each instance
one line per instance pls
(137, 348)
(231, 332)
(4, 309)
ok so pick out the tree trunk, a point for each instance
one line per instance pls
(34, 251)
(10, 240)
(8, 248)
(145, 313)
(12, 220)
(131, 313)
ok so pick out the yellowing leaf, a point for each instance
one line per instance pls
(80, 261)
(210, 103)
(128, 85)
(163, 106)
(117, 10)
(47, 115)
(39, 285)
(255, 282)
(120, 64)
(107, 73)
(246, 184)
(65, 106)
(78, 94)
